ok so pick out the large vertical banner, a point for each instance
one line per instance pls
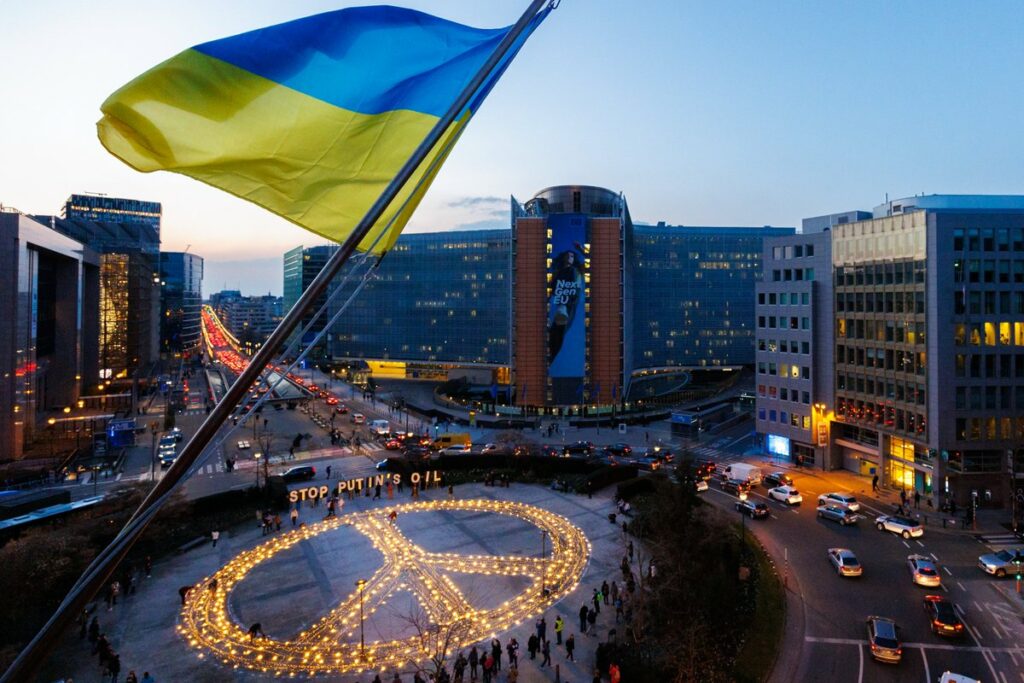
(566, 324)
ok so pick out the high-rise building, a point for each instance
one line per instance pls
(640, 296)
(301, 266)
(250, 319)
(104, 209)
(49, 332)
(928, 362)
(129, 332)
(181, 301)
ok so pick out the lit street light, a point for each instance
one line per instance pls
(256, 455)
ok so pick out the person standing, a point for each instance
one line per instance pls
(613, 673)
(451, 492)
(604, 592)
(496, 653)
(512, 648)
(559, 625)
(591, 620)
(328, 471)
(474, 659)
(614, 591)
(294, 514)
(391, 490)
(570, 645)
(376, 492)
(596, 599)
(542, 629)
(277, 521)
(114, 666)
(146, 678)
(583, 618)
(132, 678)
(215, 535)
(545, 650)
(874, 483)
(917, 499)
(532, 645)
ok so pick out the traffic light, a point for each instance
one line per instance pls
(1020, 568)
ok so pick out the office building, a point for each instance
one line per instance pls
(181, 301)
(48, 340)
(103, 209)
(301, 266)
(250, 319)
(650, 303)
(129, 315)
(795, 345)
(928, 361)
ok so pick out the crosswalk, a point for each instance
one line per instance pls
(997, 540)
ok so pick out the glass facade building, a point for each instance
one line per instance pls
(100, 208)
(301, 266)
(436, 298)
(693, 294)
(181, 300)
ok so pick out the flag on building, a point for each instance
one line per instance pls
(310, 119)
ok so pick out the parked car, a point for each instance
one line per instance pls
(883, 637)
(735, 486)
(176, 433)
(457, 449)
(843, 500)
(845, 562)
(752, 509)
(786, 494)
(943, 618)
(773, 479)
(1003, 562)
(300, 473)
(907, 528)
(835, 513)
(923, 571)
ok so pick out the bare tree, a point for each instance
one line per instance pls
(438, 641)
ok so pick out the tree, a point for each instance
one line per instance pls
(438, 641)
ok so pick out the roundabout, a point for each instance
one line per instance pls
(331, 645)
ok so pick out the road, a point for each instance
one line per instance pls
(834, 647)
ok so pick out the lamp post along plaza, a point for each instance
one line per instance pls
(361, 584)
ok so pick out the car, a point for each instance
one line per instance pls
(943, 618)
(300, 473)
(923, 571)
(456, 449)
(907, 528)
(662, 453)
(774, 479)
(835, 513)
(358, 418)
(618, 450)
(332, 400)
(490, 448)
(1003, 562)
(549, 451)
(167, 441)
(647, 462)
(393, 444)
(700, 485)
(341, 409)
(752, 509)
(737, 487)
(417, 452)
(580, 449)
(845, 562)
(843, 500)
(950, 677)
(883, 637)
(176, 433)
(707, 464)
(167, 458)
(786, 494)
(704, 471)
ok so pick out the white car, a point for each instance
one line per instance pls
(701, 485)
(845, 562)
(843, 500)
(923, 571)
(489, 448)
(456, 449)
(358, 418)
(907, 528)
(950, 677)
(786, 494)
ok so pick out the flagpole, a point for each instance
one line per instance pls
(95, 576)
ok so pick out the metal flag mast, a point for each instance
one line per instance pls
(96, 575)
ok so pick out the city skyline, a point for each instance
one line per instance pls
(735, 125)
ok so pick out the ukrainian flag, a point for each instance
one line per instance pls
(310, 119)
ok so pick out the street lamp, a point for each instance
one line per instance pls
(543, 556)
(743, 519)
(256, 455)
(361, 584)
(51, 422)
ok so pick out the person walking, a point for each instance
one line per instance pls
(903, 497)
(146, 678)
(460, 668)
(596, 599)
(474, 659)
(376, 492)
(391, 490)
(132, 678)
(570, 645)
(917, 499)
(559, 625)
(114, 666)
(614, 591)
(591, 620)
(604, 591)
(215, 535)
(512, 648)
(583, 618)
(874, 483)
(613, 673)
(451, 492)
(328, 471)
(533, 645)
(496, 653)
(294, 514)
(277, 521)
(545, 650)
(392, 517)
(542, 629)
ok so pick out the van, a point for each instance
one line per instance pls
(380, 427)
(451, 439)
(744, 472)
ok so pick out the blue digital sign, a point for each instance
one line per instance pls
(566, 323)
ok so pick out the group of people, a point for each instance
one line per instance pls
(109, 660)
(268, 523)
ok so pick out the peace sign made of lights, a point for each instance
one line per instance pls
(325, 648)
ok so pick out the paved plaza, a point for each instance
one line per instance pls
(301, 585)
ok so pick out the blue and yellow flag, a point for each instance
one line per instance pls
(310, 119)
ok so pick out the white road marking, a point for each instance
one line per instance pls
(1002, 676)
(795, 512)
(925, 646)
(905, 543)
(773, 516)
(961, 586)
(946, 569)
(998, 633)
(943, 586)
(959, 609)
(927, 671)
(974, 632)
(922, 545)
(860, 668)
(933, 555)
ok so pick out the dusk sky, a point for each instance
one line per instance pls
(713, 113)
